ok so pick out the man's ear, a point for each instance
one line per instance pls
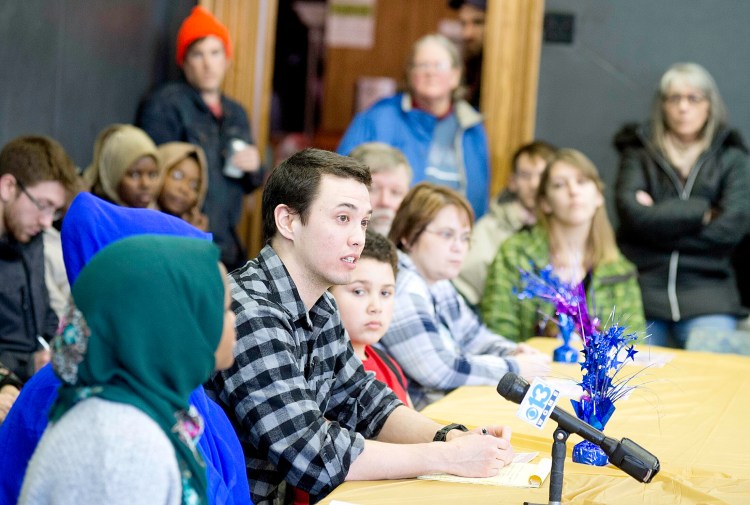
(7, 187)
(286, 221)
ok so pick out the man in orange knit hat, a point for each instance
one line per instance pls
(195, 110)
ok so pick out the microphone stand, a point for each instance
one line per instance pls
(558, 463)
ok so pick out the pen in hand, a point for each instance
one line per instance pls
(43, 343)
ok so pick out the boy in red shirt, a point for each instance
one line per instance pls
(366, 308)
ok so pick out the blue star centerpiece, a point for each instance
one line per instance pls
(605, 352)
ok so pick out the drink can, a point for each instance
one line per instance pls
(235, 145)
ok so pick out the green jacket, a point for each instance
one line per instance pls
(613, 286)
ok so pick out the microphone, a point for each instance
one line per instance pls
(625, 454)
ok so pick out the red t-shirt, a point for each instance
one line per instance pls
(386, 371)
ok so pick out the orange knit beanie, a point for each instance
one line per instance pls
(199, 24)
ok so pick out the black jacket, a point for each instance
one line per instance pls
(176, 112)
(683, 264)
(25, 311)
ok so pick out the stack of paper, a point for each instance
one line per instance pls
(518, 474)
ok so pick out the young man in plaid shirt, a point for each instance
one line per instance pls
(305, 410)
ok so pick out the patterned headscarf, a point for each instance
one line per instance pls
(89, 226)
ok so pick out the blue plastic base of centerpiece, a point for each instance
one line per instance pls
(589, 454)
(566, 354)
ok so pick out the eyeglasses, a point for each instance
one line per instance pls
(691, 99)
(44, 208)
(436, 66)
(452, 236)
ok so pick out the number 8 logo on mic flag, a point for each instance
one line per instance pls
(538, 403)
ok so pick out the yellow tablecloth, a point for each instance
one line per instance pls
(691, 413)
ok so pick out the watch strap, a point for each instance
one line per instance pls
(442, 433)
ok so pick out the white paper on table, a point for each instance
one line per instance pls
(518, 474)
(649, 357)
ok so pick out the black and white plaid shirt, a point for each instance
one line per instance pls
(303, 402)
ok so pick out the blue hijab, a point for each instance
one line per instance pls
(92, 223)
(89, 226)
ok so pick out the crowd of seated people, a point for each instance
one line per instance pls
(208, 378)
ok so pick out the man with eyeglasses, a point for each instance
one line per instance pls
(36, 179)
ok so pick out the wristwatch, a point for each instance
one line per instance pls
(443, 432)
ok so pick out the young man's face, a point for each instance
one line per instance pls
(366, 303)
(525, 181)
(472, 29)
(329, 244)
(206, 64)
(26, 214)
(386, 193)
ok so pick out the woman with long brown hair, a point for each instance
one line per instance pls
(574, 235)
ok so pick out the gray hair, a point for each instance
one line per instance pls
(698, 77)
(380, 157)
(453, 53)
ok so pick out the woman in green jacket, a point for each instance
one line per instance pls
(574, 235)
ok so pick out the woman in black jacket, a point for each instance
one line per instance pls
(682, 197)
